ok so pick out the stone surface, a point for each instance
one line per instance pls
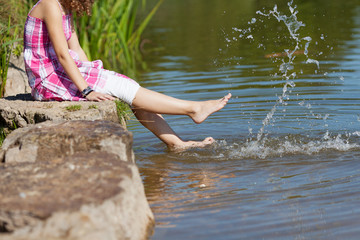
(20, 111)
(65, 138)
(77, 187)
(17, 80)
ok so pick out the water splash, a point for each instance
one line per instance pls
(293, 25)
(287, 65)
(289, 145)
(278, 146)
(262, 143)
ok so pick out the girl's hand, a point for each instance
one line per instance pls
(98, 97)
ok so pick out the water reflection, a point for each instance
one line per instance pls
(267, 198)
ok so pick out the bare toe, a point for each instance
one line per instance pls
(208, 140)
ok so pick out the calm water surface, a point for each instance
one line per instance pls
(285, 169)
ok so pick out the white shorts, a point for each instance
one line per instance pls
(119, 86)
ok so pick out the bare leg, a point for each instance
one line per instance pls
(157, 125)
(159, 103)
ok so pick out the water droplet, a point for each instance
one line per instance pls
(309, 60)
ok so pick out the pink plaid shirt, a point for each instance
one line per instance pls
(47, 78)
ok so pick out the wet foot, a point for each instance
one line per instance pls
(206, 108)
(192, 144)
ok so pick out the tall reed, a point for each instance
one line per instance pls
(111, 34)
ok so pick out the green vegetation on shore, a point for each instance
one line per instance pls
(73, 108)
(12, 19)
(111, 33)
(123, 112)
(2, 136)
(7, 40)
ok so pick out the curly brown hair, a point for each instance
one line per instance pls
(78, 6)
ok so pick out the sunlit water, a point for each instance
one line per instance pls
(286, 161)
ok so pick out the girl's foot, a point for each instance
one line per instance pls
(204, 109)
(191, 144)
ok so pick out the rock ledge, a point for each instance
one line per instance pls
(81, 184)
(19, 111)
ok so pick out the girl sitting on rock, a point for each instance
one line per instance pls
(58, 69)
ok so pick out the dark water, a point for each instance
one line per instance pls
(286, 161)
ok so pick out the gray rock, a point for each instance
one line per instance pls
(81, 184)
(75, 197)
(65, 138)
(17, 80)
(16, 112)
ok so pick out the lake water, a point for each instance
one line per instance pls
(286, 163)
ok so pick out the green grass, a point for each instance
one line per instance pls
(93, 106)
(123, 111)
(12, 18)
(2, 136)
(17, 10)
(73, 108)
(111, 33)
(8, 38)
(4, 133)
